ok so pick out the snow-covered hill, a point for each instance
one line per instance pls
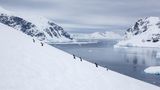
(35, 26)
(145, 33)
(25, 65)
(96, 35)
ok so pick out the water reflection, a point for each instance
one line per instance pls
(139, 56)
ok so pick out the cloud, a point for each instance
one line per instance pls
(88, 14)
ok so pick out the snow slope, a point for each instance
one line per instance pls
(25, 65)
(35, 26)
(96, 35)
(145, 33)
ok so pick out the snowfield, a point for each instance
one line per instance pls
(25, 65)
(153, 70)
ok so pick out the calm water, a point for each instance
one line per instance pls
(128, 61)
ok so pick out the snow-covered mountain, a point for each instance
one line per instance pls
(25, 65)
(144, 33)
(96, 35)
(35, 26)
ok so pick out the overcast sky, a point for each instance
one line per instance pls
(88, 15)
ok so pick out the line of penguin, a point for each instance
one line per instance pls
(74, 56)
